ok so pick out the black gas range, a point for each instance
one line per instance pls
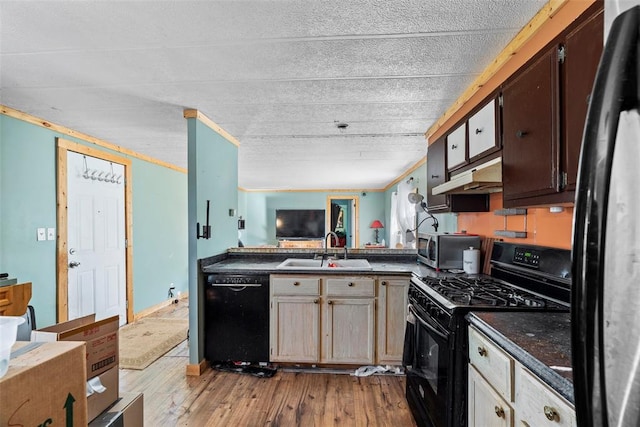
(523, 277)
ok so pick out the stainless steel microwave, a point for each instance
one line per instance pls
(443, 250)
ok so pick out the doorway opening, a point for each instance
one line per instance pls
(342, 219)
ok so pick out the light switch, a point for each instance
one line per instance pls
(51, 234)
(42, 234)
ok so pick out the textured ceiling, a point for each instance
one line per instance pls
(277, 75)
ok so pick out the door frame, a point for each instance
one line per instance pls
(62, 257)
(355, 202)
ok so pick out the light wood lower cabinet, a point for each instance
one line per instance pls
(296, 338)
(392, 319)
(337, 319)
(502, 391)
(348, 333)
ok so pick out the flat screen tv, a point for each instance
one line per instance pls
(299, 223)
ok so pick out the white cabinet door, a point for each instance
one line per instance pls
(486, 407)
(482, 130)
(456, 147)
(492, 362)
(538, 405)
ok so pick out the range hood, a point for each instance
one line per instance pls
(483, 179)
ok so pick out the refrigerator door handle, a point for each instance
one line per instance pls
(615, 90)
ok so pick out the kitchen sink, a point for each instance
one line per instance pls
(314, 264)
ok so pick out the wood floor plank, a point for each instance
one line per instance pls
(288, 399)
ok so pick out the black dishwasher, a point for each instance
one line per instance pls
(237, 318)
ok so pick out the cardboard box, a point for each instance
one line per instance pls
(128, 411)
(101, 338)
(104, 392)
(45, 385)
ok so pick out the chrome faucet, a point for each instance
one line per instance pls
(326, 246)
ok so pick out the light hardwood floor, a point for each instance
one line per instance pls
(287, 399)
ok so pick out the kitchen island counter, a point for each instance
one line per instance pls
(383, 262)
(541, 342)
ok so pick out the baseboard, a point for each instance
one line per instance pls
(148, 311)
(197, 370)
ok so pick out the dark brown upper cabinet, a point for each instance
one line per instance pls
(437, 174)
(544, 111)
(530, 151)
(583, 47)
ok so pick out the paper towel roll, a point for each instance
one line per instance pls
(471, 261)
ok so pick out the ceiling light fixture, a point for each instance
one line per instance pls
(342, 126)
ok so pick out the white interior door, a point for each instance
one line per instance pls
(96, 237)
(353, 224)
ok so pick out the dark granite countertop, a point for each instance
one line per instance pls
(539, 341)
(255, 261)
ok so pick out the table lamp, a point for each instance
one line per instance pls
(376, 225)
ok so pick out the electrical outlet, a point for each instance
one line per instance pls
(51, 234)
(41, 234)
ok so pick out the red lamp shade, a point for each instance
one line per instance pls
(376, 224)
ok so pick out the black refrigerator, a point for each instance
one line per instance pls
(606, 240)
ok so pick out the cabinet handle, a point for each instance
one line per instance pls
(478, 131)
(435, 176)
(551, 413)
(499, 411)
(384, 283)
(330, 302)
(521, 133)
(315, 301)
(296, 283)
(482, 351)
(350, 284)
(454, 146)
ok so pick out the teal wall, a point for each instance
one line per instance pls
(213, 176)
(28, 201)
(159, 233)
(258, 208)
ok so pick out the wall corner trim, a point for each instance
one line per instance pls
(409, 171)
(25, 117)
(491, 78)
(190, 113)
(195, 370)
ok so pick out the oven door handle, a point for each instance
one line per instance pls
(428, 325)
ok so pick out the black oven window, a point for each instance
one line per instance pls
(427, 359)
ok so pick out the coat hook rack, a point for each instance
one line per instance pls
(206, 229)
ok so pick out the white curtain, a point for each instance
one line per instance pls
(394, 228)
(406, 214)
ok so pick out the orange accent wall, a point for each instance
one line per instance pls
(543, 227)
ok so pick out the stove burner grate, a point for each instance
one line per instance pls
(482, 291)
